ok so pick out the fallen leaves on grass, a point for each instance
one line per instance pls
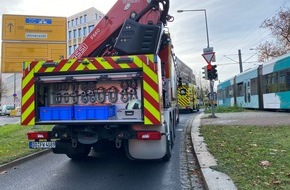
(265, 163)
(276, 182)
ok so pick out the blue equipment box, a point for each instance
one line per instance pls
(94, 112)
(56, 113)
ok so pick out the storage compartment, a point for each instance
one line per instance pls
(136, 38)
(95, 112)
(56, 113)
(129, 114)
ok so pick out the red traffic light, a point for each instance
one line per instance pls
(209, 67)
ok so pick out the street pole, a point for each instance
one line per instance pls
(205, 17)
(14, 95)
(240, 61)
(211, 82)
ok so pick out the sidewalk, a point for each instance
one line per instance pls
(215, 180)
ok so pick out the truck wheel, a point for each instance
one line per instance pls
(168, 151)
(168, 148)
(78, 153)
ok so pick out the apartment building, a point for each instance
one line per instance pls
(185, 72)
(80, 25)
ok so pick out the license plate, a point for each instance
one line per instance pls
(44, 144)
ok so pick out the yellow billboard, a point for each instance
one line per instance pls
(33, 28)
(15, 53)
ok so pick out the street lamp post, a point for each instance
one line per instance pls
(211, 82)
(205, 17)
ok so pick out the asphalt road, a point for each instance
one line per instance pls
(107, 170)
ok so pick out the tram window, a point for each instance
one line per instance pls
(240, 89)
(274, 82)
(220, 94)
(288, 80)
(264, 83)
(231, 93)
(271, 81)
(254, 86)
(282, 81)
(227, 92)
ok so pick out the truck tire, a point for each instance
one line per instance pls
(78, 153)
(169, 145)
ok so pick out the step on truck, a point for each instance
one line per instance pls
(120, 86)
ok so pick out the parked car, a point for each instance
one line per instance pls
(6, 109)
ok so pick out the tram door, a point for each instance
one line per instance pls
(247, 93)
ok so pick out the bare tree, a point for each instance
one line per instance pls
(279, 25)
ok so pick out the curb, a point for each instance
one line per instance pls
(214, 180)
(22, 160)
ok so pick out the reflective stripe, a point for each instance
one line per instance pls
(151, 87)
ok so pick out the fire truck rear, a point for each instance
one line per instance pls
(119, 86)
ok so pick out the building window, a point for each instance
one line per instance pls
(77, 20)
(80, 32)
(72, 22)
(69, 35)
(85, 18)
(85, 31)
(68, 23)
(91, 27)
(81, 20)
(75, 47)
(70, 50)
(75, 34)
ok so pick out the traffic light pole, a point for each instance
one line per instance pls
(211, 83)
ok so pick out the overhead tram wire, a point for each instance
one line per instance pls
(257, 28)
(235, 47)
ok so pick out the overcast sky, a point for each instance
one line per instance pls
(232, 25)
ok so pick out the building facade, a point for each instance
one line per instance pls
(79, 26)
(185, 72)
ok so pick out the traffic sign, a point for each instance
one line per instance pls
(34, 28)
(15, 53)
(28, 38)
(208, 50)
(208, 56)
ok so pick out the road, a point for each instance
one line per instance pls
(109, 170)
(9, 120)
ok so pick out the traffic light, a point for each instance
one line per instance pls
(179, 81)
(214, 72)
(205, 72)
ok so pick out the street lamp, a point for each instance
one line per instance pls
(208, 50)
(206, 27)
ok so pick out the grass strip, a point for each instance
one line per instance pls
(223, 109)
(14, 142)
(255, 157)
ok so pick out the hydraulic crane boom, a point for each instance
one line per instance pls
(102, 40)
